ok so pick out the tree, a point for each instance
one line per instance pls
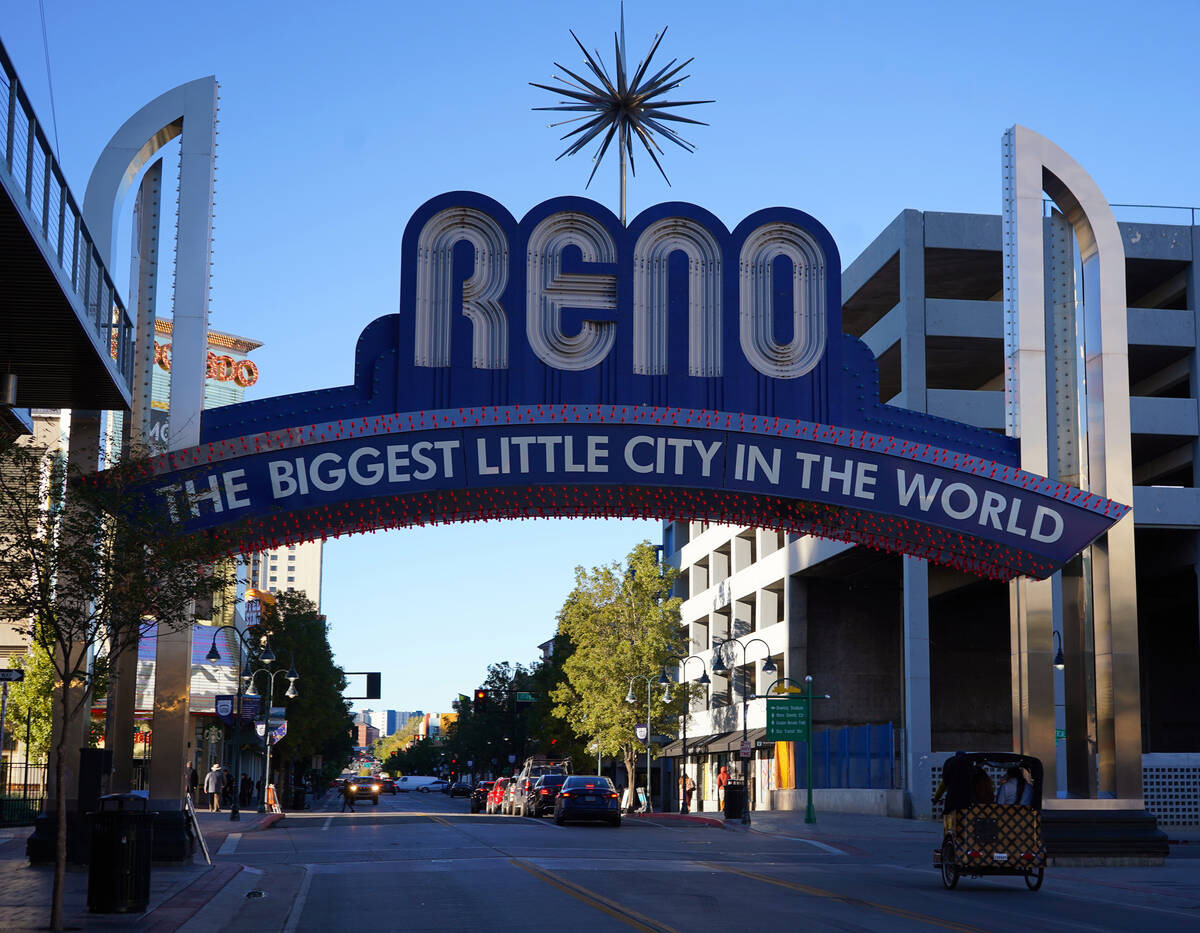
(389, 745)
(30, 700)
(622, 623)
(88, 563)
(319, 719)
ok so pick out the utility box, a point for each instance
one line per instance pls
(122, 831)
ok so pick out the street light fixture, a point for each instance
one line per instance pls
(719, 667)
(663, 680)
(214, 657)
(291, 694)
(1060, 662)
(703, 680)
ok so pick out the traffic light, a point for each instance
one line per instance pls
(481, 697)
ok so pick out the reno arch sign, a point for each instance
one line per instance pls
(562, 364)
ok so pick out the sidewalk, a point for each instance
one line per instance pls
(177, 890)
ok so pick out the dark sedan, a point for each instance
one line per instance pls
(587, 797)
(479, 796)
(544, 793)
(459, 789)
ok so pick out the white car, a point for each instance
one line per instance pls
(438, 785)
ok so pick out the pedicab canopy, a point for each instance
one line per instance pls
(564, 365)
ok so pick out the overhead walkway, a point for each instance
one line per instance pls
(64, 330)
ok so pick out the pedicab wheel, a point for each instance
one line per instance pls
(1033, 879)
(949, 871)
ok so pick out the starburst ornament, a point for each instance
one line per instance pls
(629, 107)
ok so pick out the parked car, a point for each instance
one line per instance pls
(497, 795)
(364, 788)
(479, 795)
(439, 784)
(587, 797)
(545, 791)
(459, 789)
(531, 770)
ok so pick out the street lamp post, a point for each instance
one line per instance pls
(663, 681)
(687, 709)
(291, 694)
(719, 668)
(213, 657)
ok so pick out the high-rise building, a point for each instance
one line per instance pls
(922, 651)
(290, 568)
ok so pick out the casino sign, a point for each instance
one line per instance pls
(565, 365)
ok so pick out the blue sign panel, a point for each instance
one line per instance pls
(564, 365)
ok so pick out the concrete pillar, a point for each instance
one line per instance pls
(917, 748)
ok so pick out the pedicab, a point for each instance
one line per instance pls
(990, 833)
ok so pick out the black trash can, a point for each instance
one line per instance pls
(122, 845)
(735, 799)
(297, 801)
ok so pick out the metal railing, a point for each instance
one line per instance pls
(1180, 213)
(34, 180)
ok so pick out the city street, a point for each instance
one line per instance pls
(423, 862)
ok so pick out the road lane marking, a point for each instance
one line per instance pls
(293, 917)
(230, 844)
(592, 899)
(328, 820)
(847, 899)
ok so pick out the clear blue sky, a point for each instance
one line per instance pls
(338, 119)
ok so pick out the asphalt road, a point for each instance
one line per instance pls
(423, 862)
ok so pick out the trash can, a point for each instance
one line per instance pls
(122, 844)
(735, 799)
(297, 801)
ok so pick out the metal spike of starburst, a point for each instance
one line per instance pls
(627, 108)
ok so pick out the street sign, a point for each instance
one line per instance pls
(523, 697)
(12, 675)
(787, 719)
(746, 752)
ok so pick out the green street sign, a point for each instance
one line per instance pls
(787, 719)
(523, 697)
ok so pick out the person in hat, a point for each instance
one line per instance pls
(214, 783)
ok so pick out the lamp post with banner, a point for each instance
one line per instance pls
(703, 680)
(291, 694)
(665, 682)
(214, 657)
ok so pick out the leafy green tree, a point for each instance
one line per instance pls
(31, 700)
(88, 564)
(389, 745)
(622, 623)
(319, 719)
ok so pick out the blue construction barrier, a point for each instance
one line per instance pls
(853, 756)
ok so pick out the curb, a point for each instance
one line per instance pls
(266, 822)
(678, 818)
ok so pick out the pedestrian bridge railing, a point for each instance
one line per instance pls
(36, 184)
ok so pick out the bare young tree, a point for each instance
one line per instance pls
(87, 564)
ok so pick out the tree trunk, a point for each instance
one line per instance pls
(631, 774)
(60, 812)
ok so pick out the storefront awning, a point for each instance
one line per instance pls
(733, 741)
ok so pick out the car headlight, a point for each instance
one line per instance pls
(375, 787)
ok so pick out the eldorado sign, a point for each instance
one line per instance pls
(565, 365)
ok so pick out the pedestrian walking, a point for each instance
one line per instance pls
(689, 790)
(347, 798)
(722, 780)
(193, 781)
(246, 789)
(214, 783)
